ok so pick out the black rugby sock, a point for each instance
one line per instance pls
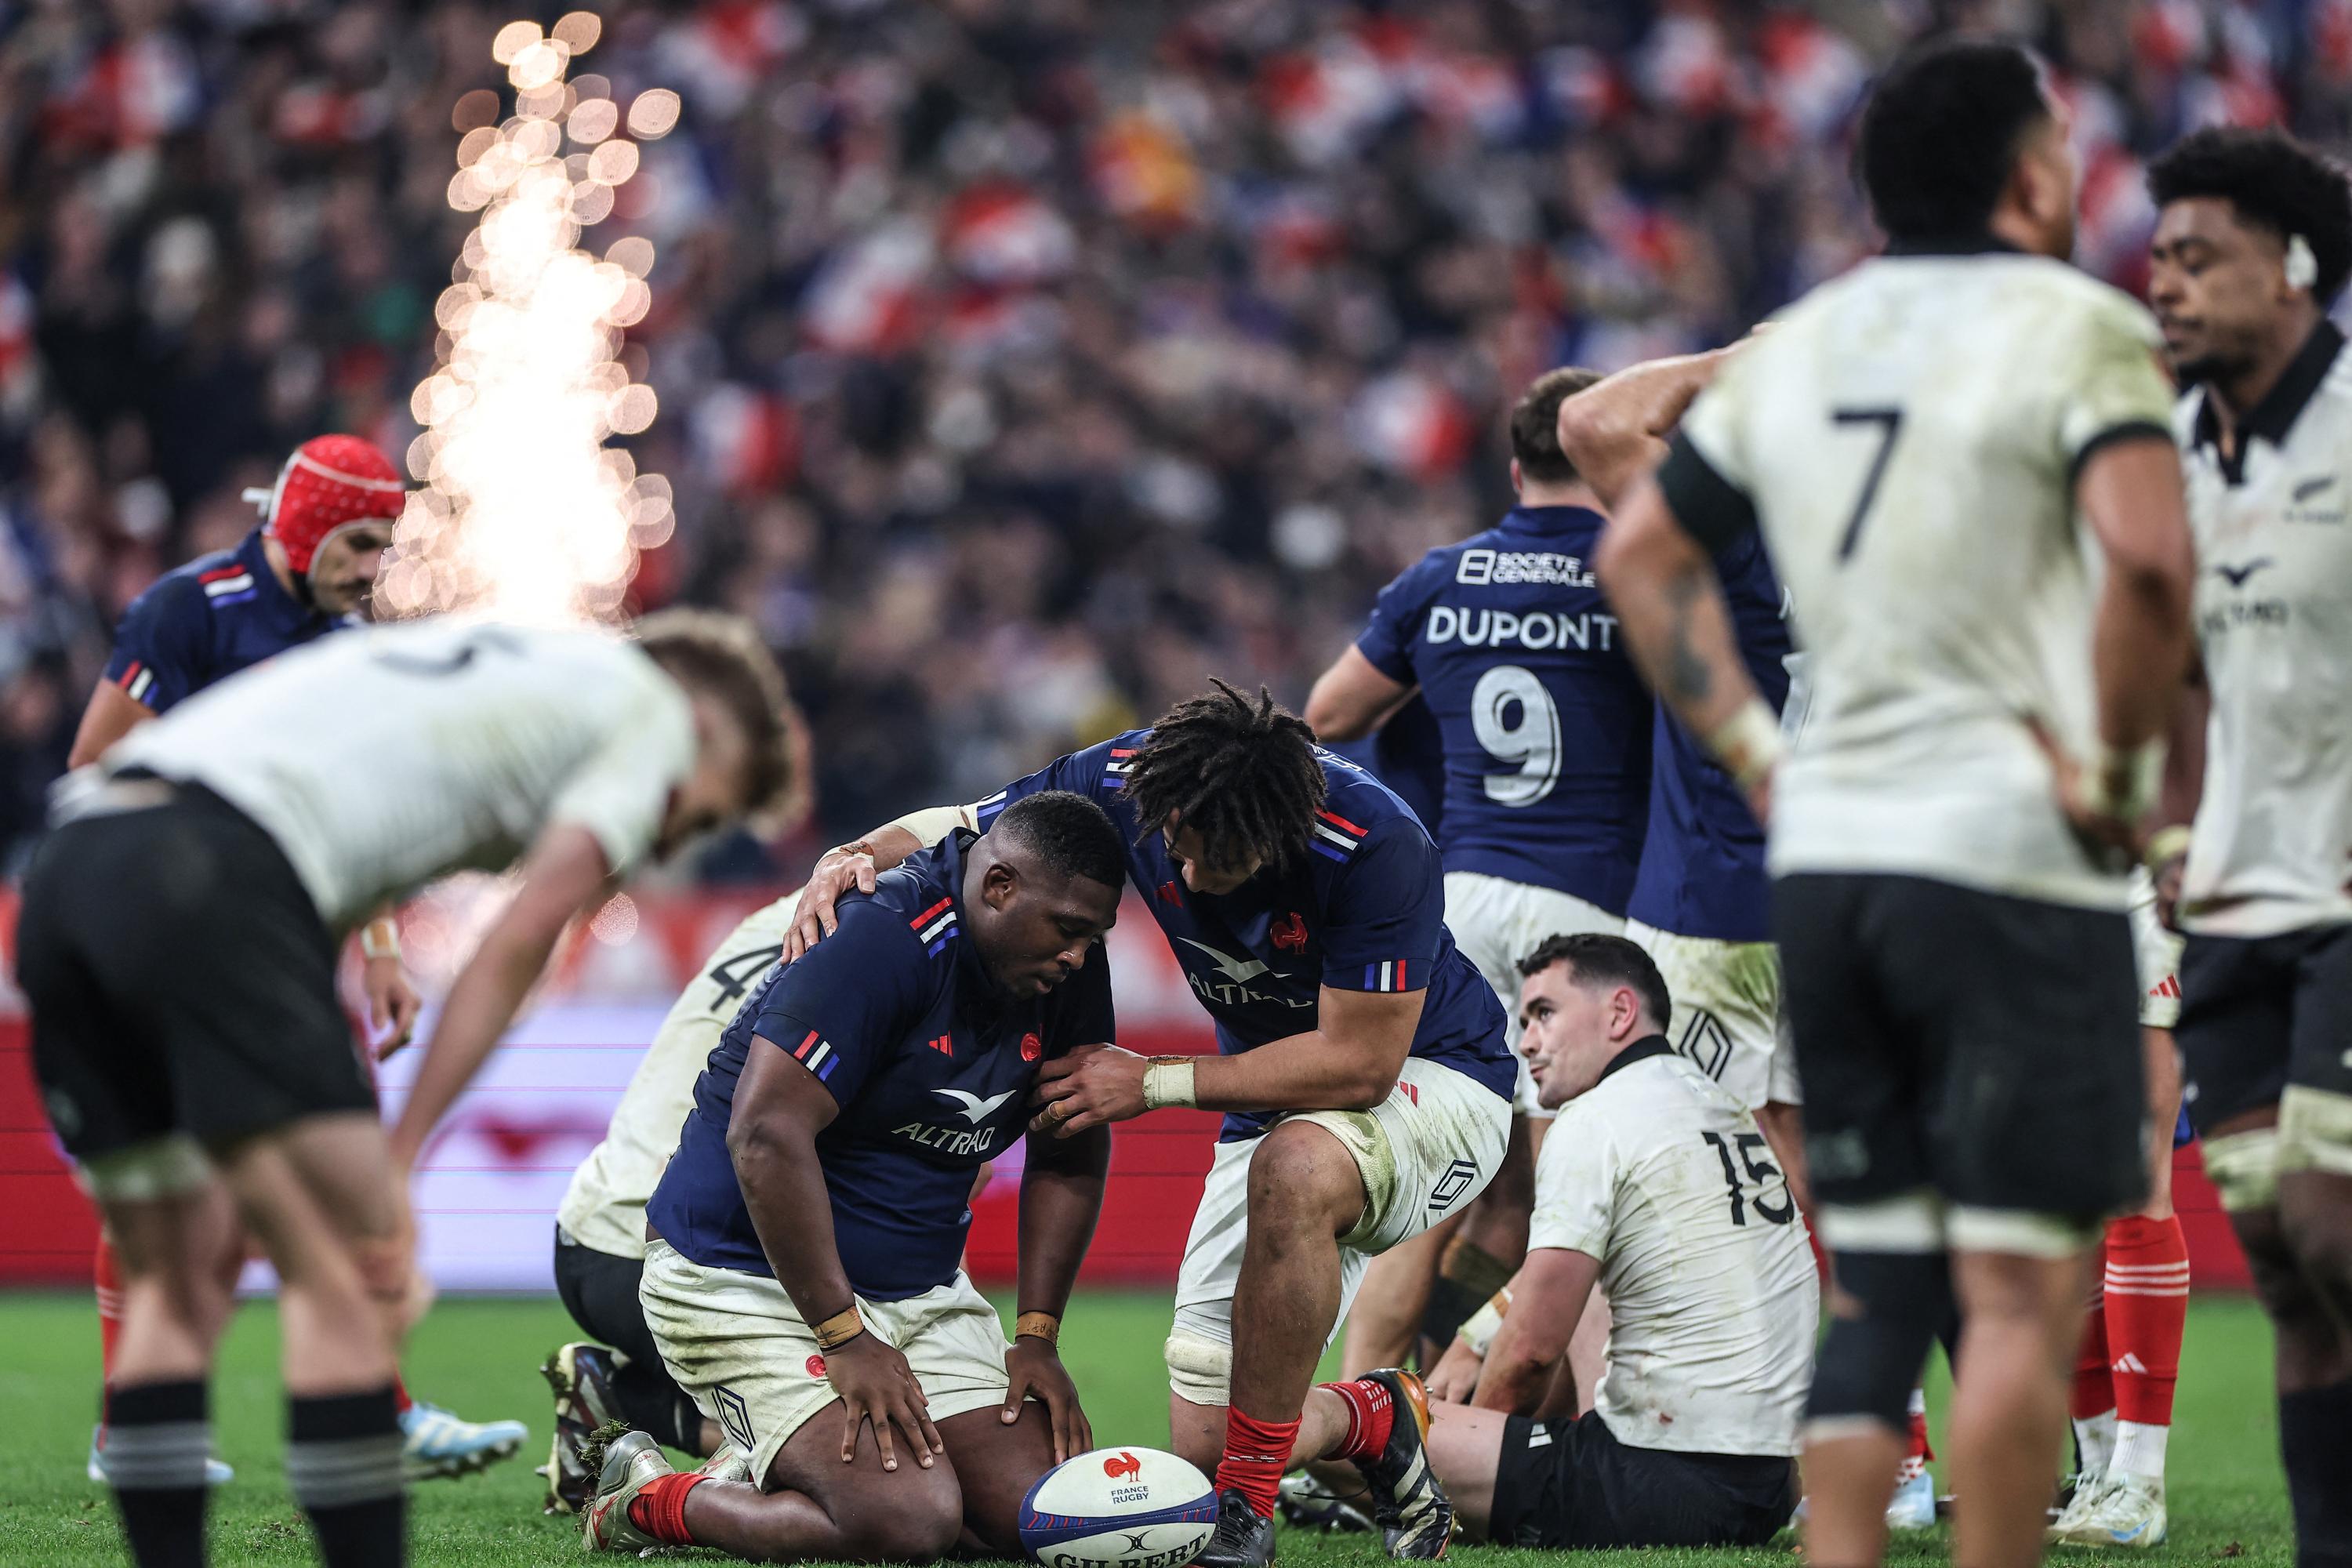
(158, 1440)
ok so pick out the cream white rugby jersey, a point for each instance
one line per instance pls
(381, 759)
(1907, 437)
(604, 1207)
(1713, 1300)
(2271, 848)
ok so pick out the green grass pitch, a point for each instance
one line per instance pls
(480, 1356)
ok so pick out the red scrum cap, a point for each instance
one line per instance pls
(330, 483)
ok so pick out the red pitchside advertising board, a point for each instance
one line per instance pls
(489, 1185)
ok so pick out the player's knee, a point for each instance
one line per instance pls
(1200, 1368)
(383, 1270)
(2319, 1234)
(921, 1529)
(1886, 1308)
(1303, 1177)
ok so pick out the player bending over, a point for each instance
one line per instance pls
(801, 1273)
(305, 572)
(1361, 1070)
(2253, 242)
(1956, 455)
(1543, 730)
(1657, 1186)
(178, 947)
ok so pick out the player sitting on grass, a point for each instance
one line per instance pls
(1658, 1186)
(1360, 1067)
(178, 948)
(801, 1275)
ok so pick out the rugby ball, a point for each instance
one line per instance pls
(1118, 1507)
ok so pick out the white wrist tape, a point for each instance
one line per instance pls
(2122, 783)
(1748, 743)
(933, 824)
(378, 939)
(1168, 1081)
(1478, 1332)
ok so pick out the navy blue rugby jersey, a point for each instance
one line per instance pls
(1544, 722)
(931, 1063)
(1365, 911)
(1703, 863)
(206, 621)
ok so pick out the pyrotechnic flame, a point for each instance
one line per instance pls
(525, 513)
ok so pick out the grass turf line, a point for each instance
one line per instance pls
(479, 1358)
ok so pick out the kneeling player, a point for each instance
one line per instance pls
(1360, 1067)
(1657, 1186)
(802, 1278)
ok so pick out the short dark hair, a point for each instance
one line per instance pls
(1941, 132)
(1594, 959)
(1069, 834)
(2274, 182)
(722, 656)
(1535, 424)
(1243, 773)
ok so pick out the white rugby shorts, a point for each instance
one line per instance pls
(1727, 1017)
(2159, 951)
(1424, 1153)
(1497, 922)
(736, 1344)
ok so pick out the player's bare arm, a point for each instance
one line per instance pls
(1352, 699)
(1671, 610)
(1615, 430)
(780, 1107)
(1548, 1297)
(2130, 493)
(1350, 1062)
(563, 875)
(855, 865)
(112, 713)
(1061, 1199)
(2165, 852)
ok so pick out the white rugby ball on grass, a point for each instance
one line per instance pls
(1118, 1507)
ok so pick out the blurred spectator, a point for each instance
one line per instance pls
(1021, 361)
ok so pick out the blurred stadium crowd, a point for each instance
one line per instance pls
(1020, 361)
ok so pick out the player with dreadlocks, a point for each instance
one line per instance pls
(1362, 1071)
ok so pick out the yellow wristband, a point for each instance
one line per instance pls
(839, 1330)
(1168, 1080)
(1038, 1326)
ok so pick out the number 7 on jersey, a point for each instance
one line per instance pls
(1890, 424)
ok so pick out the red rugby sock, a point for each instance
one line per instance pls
(660, 1510)
(2147, 1311)
(1256, 1453)
(1371, 1416)
(2093, 1392)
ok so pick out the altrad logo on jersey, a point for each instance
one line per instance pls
(1235, 990)
(952, 1140)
